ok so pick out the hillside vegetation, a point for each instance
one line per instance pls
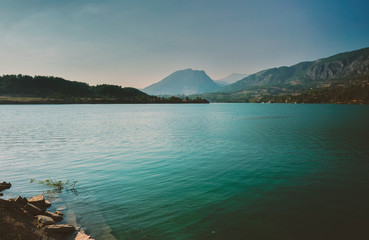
(307, 74)
(342, 78)
(42, 89)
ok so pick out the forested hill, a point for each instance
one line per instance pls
(44, 89)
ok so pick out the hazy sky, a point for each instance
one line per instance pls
(139, 42)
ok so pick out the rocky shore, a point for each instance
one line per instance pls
(25, 219)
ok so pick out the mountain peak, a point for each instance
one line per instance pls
(190, 70)
(187, 81)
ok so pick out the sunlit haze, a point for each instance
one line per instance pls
(137, 43)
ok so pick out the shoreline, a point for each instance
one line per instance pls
(22, 218)
(15, 99)
(18, 100)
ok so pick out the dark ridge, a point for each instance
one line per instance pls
(23, 89)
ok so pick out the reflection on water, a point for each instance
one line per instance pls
(218, 171)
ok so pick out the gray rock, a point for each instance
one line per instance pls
(40, 202)
(39, 199)
(59, 228)
(55, 216)
(47, 203)
(43, 220)
(21, 201)
(59, 213)
(83, 236)
(4, 185)
(29, 207)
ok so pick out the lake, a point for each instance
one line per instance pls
(205, 171)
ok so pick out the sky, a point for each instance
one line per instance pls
(139, 42)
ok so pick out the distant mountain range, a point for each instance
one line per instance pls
(183, 82)
(307, 74)
(343, 77)
(234, 77)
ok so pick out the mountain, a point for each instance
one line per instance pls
(234, 77)
(305, 75)
(185, 82)
(342, 78)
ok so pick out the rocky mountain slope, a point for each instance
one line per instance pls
(305, 75)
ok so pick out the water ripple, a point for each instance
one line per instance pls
(194, 171)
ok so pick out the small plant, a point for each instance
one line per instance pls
(57, 186)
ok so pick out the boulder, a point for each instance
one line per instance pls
(29, 207)
(59, 213)
(4, 185)
(59, 228)
(83, 236)
(42, 220)
(56, 217)
(36, 200)
(40, 202)
(21, 201)
(47, 203)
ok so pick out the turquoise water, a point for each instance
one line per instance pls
(214, 171)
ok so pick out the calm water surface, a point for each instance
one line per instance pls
(216, 171)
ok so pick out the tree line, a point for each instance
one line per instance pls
(59, 90)
(349, 90)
